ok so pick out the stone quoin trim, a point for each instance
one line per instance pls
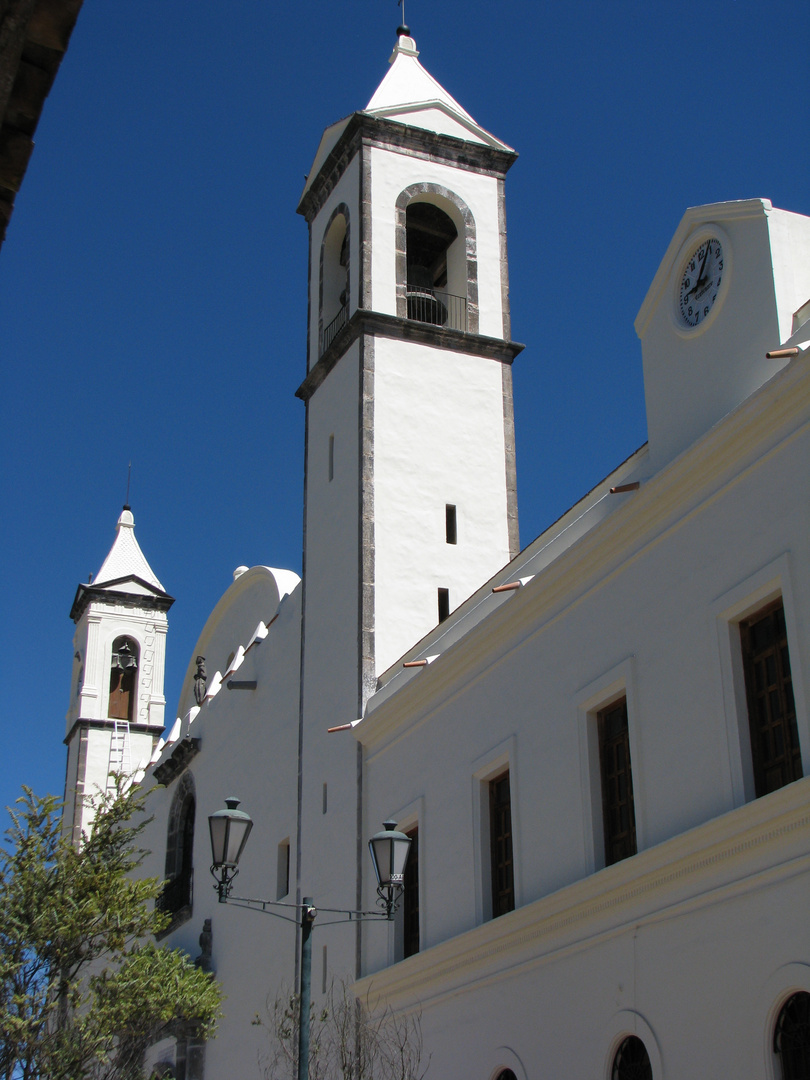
(470, 251)
(364, 299)
(507, 319)
(340, 210)
(511, 461)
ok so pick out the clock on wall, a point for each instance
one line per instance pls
(701, 277)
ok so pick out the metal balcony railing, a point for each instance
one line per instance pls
(439, 308)
(335, 326)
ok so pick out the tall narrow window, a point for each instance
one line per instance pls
(450, 523)
(632, 1062)
(775, 751)
(331, 457)
(791, 1038)
(618, 813)
(410, 898)
(177, 895)
(123, 679)
(500, 845)
(444, 604)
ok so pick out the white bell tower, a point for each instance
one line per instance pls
(410, 494)
(116, 703)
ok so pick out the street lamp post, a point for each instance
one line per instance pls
(389, 850)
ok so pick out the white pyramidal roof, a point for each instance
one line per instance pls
(410, 95)
(126, 558)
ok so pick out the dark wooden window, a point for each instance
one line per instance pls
(177, 896)
(410, 898)
(791, 1038)
(444, 604)
(775, 751)
(618, 813)
(123, 679)
(450, 527)
(632, 1062)
(500, 845)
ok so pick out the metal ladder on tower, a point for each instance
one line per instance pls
(120, 752)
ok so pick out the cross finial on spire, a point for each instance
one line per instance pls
(129, 477)
(403, 30)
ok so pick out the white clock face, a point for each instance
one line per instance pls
(700, 282)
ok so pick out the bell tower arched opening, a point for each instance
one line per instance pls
(123, 679)
(437, 271)
(334, 272)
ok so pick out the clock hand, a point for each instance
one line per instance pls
(701, 279)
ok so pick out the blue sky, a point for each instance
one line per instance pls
(153, 280)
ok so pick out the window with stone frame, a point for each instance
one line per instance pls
(775, 750)
(178, 892)
(500, 845)
(123, 679)
(618, 811)
(791, 1038)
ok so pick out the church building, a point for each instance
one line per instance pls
(599, 746)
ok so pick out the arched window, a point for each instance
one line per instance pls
(632, 1062)
(506, 1074)
(176, 898)
(123, 679)
(791, 1037)
(334, 273)
(437, 276)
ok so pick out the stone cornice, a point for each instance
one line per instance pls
(765, 840)
(363, 129)
(760, 427)
(135, 729)
(104, 593)
(179, 758)
(438, 337)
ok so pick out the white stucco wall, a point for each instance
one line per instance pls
(439, 439)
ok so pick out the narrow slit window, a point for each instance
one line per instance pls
(444, 604)
(283, 874)
(331, 458)
(323, 810)
(451, 534)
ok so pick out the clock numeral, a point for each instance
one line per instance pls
(687, 283)
(720, 265)
(706, 310)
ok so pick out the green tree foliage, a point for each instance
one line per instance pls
(83, 988)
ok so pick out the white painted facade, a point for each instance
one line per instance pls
(694, 942)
